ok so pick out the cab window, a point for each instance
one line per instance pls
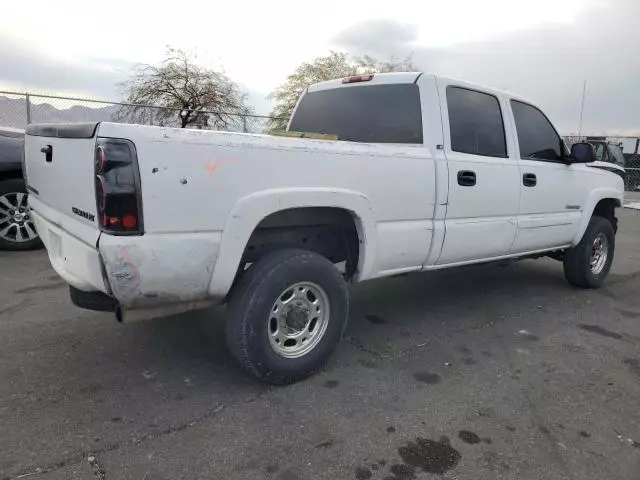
(475, 123)
(537, 138)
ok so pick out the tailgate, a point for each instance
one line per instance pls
(59, 169)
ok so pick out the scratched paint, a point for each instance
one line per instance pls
(124, 271)
(141, 274)
(211, 167)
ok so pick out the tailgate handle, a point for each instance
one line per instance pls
(48, 152)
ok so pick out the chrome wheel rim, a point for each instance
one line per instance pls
(298, 319)
(16, 222)
(599, 253)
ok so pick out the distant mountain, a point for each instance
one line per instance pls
(13, 112)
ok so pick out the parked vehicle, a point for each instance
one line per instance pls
(608, 156)
(427, 173)
(17, 231)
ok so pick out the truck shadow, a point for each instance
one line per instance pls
(462, 298)
(404, 306)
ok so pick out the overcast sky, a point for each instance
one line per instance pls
(541, 49)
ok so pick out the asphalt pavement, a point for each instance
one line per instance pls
(484, 372)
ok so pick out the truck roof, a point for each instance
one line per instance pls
(407, 77)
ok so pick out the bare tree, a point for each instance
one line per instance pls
(188, 94)
(334, 65)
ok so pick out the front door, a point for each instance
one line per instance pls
(553, 191)
(484, 179)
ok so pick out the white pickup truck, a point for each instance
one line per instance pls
(426, 173)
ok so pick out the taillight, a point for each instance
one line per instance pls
(117, 183)
(358, 78)
(101, 159)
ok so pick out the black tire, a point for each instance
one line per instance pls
(249, 313)
(577, 263)
(16, 185)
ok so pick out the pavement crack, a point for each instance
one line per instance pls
(552, 441)
(92, 456)
(98, 471)
(616, 278)
(176, 428)
(15, 308)
(43, 286)
(360, 346)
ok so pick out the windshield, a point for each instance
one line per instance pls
(373, 113)
(616, 153)
(599, 151)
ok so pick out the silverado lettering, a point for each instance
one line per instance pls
(83, 214)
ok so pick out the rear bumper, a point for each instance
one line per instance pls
(138, 271)
(75, 261)
(96, 301)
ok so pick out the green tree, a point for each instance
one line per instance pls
(320, 69)
(189, 93)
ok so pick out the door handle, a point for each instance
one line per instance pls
(466, 178)
(529, 180)
(48, 153)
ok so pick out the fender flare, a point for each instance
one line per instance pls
(249, 211)
(595, 196)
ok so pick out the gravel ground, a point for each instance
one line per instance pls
(489, 372)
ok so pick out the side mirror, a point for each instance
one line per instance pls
(582, 153)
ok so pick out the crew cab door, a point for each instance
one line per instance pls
(553, 192)
(484, 179)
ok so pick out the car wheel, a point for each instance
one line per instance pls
(17, 230)
(286, 315)
(587, 264)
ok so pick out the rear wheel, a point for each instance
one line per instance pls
(17, 230)
(587, 264)
(286, 315)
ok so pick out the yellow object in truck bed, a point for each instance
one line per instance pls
(316, 136)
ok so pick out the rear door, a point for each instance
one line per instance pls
(484, 187)
(59, 165)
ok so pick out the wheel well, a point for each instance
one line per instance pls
(606, 208)
(10, 174)
(328, 231)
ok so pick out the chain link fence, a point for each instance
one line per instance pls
(17, 110)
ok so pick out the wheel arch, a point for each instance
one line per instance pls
(601, 202)
(248, 213)
(10, 174)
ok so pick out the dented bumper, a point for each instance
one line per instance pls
(158, 269)
(138, 271)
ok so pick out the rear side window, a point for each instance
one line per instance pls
(475, 123)
(537, 138)
(363, 113)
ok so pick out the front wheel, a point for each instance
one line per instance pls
(587, 264)
(286, 315)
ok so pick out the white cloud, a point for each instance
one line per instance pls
(546, 64)
(541, 49)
